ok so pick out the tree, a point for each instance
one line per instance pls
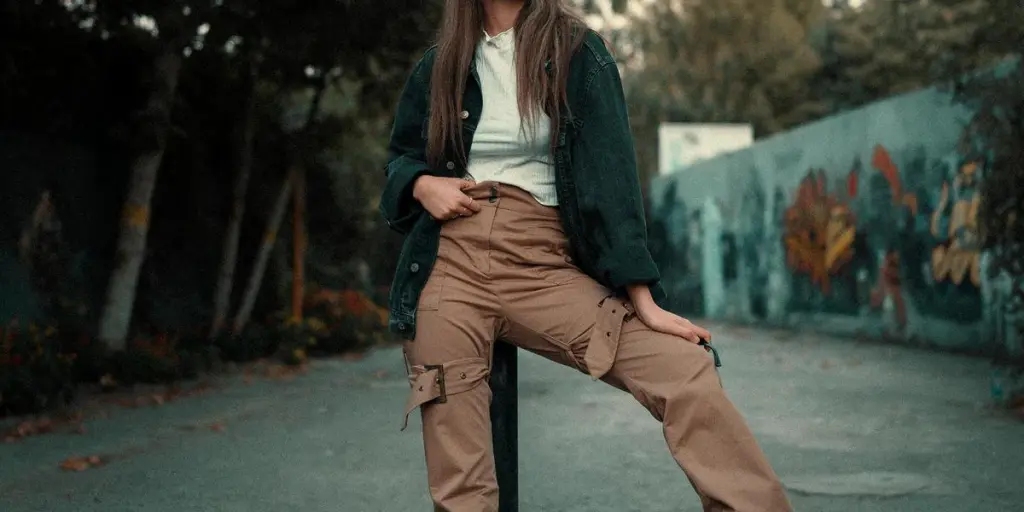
(330, 52)
(887, 47)
(997, 98)
(170, 33)
(692, 65)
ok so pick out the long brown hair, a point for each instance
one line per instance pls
(545, 31)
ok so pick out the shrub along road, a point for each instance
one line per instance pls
(849, 426)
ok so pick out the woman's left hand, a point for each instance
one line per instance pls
(670, 323)
(651, 314)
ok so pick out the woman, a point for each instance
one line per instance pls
(512, 174)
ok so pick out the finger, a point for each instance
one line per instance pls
(676, 328)
(703, 333)
(689, 335)
(466, 184)
(699, 331)
(470, 204)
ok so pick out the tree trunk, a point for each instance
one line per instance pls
(229, 258)
(299, 244)
(295, 179)
(269, 238)
(131, 244)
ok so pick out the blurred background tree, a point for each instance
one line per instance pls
(230, 109)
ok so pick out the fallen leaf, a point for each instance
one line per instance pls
(158, 399)
(380, 374)
(217, 427)
(826, 364)
(76, 464)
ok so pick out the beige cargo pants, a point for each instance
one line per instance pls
(505, 273)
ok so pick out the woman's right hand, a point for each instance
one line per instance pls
(444, 198)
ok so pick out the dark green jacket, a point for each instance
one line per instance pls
(595, 174)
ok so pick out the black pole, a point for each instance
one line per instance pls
(505, 424)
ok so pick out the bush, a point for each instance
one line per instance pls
(255, 342)
(34, 373)
(41, 368)
(296, 337)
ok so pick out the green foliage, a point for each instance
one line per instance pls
(996, 96)
(886, 47)
(34, 372)
(697, 69)
(731, 61)
(255, 342)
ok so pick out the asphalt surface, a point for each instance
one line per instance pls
(849, 426)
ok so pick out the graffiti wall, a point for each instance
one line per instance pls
(863, 223)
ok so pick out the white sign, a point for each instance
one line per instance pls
(683, 144)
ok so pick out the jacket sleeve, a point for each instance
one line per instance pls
(611, 204)
(406, 154)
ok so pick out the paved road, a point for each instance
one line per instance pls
(849, 427)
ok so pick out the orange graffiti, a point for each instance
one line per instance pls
(820, 231)
(883, 162)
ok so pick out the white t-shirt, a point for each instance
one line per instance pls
(502, 151)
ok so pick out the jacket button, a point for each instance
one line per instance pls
(415, 267)
(451, 166)
(464, 114)
(401, 326)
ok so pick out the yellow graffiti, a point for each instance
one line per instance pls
(959, 255)
(820, 232)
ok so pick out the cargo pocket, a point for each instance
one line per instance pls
(612, 313)
(436, 383)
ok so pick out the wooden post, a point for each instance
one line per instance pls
(299, 244)
(505, 424)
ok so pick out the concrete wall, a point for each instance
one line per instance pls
(859, 224)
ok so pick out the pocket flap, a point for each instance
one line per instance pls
(604, 339)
